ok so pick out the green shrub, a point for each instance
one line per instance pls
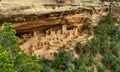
(105, 47)
(62, 59)
(6, 63)
(26, 63)
(112, 62)
(78, 48)
(91, 69)
(87, 59)
(82, 68)
(12, 59)
(115, 48)
(101, 68)
(69, 70)
(9, 40)
(92, 46)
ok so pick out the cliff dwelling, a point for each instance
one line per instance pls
(44, 42)
(44, 28)
(59, 35)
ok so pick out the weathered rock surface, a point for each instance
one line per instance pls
(115, 10)
(26, 14)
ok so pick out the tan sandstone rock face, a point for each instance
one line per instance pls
(10, 8)
(118, 19)
(115, 10)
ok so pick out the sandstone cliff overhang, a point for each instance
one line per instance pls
(9, 10)
(24, 14)
(115, 9)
